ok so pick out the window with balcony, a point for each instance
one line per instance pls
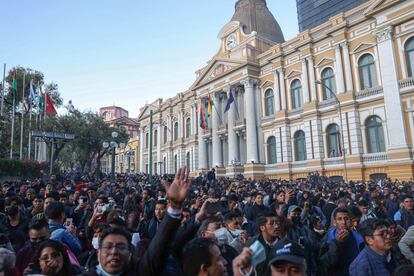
(328, 83)
(300, 146)
(271, 150)
(409, 56)
(367, 74)
(333, 141)
(269, 102)
(296, 94)
(375, 135)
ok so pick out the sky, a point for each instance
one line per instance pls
(120, 52)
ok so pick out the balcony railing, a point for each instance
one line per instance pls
(296, 111)
(375, 157)
(406, 83)
(369, 92)
(333, 161)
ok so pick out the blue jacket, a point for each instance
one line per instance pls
(61, 234)
(370, 263)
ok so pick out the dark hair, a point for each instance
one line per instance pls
(368, 227)
(55, 210)
(363, 203)
(404, 197)
(103, 198)
(38, 196)
(206, 222)
(115, 231)
(195, 254)
(163, 202)
(354, 212)
(54, 195)
(231, 216)
(38, 224)
(67, 268)
(262, 219)
(11, 199)
(339, 210)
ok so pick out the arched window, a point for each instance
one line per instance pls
(296, 92)
(175, 131)
(300, 146)
(187, 127)
(155, 138)
(333, 141)
(367, 74)
(269, 102)
(328, 83)
(409, 56)
(176, 163)
(146, 140)
(375, 135)
(165, 134)
(271, 150)
(187, 160)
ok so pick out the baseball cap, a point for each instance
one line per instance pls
(293, 208)
(288, 251)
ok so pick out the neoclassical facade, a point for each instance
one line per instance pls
(285, 120)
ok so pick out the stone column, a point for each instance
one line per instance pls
(232, 136)
(159, 157)
(348, 69)
(251, 124)
(392, 99)
(181, 124)
(282, 89)
(287, 144)
(202, 150)
(170, 127)
(317, 137)
(312, 78)
(339, 70)
(193, 119)
(217, 154)
(141, 150)
(276, 91)
(305, 83)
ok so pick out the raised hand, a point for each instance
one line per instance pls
(177, 192)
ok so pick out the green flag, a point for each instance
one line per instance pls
(40, 104)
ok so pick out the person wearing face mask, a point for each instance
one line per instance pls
(16, 224)
(89, 260)
(299, 233)
(38, 232)
(316, 234)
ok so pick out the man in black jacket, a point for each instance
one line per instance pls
(268, 238)
(115, 249)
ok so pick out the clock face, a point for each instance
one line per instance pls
(231, 41)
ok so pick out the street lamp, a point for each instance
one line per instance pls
(342, 127)
(113, 144)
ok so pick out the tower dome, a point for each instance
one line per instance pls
(255, 16)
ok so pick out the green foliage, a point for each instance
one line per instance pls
(25, 168)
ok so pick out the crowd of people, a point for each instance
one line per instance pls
(81, 224)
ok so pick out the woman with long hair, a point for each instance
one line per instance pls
(52, 259)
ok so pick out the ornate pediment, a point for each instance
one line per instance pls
(325, 61)
(292, 74)
(362, 47)
(378, 5)
(217, 68)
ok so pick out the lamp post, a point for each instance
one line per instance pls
(113, 144)
(342, 127)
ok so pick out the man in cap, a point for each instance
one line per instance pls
(287, 258)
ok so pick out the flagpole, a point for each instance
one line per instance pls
(22, 120)
(218, 114)
(2, 91)
(12, 130)
(30, 134)
(237, 108)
